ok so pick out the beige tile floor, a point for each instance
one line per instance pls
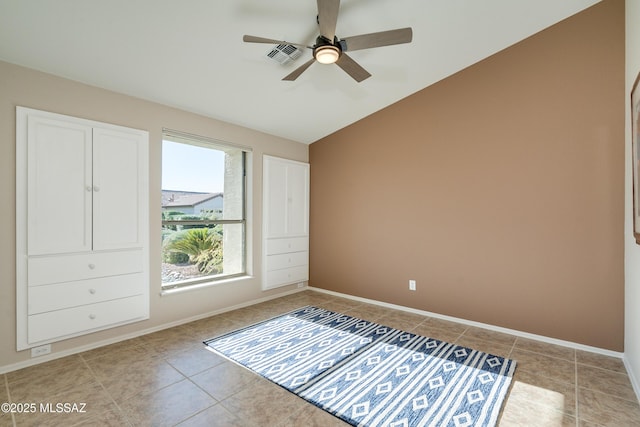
(167, 378)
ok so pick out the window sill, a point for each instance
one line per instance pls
(196, 286)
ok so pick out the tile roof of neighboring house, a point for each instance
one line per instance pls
(185, 198)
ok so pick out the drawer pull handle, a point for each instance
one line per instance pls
(92, 291)
(92, 266)
(89, 188)
(92, 316)
(96, 188)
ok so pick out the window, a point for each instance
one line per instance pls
(203, 210)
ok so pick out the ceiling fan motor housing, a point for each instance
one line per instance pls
(327, 52)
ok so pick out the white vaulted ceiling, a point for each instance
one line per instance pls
(189, 54)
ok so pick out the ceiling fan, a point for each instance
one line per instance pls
(329, 49)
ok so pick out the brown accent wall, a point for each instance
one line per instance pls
(499, 189)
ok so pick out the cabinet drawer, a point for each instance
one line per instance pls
(293, 259)
(281, 246)
(287, 276)
(66, 268)
(61, 323)
(72, 294)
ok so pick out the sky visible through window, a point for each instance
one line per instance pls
(191, 168)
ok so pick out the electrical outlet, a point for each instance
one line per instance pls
(41, 351)
(412, 285)
(300, 285)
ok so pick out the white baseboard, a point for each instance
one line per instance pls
(80, 349)
(517, 333)
(634, 381)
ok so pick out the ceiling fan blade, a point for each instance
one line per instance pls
(352, 68)
(255, 39)
(328, 17)
(382, 38)
(296, 73)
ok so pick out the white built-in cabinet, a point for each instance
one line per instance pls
(81, 226)
(285, 222)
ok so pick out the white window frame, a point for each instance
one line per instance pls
(206, 142)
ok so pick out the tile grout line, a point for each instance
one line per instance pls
(95, 377)
(513, 346)
(6, 387)
(217, 402)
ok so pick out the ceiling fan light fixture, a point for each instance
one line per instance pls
(327, 54)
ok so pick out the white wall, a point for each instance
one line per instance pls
(632, 251)
(30, 88)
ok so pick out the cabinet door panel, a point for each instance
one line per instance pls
(59, 186)
(275, 197)
(297, 199)
(286, 197)
(117, 181)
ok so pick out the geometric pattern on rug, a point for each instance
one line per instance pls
(368, 374)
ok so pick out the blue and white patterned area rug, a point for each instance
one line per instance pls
(369, 374)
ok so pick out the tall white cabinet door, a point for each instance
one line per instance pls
(286, 197)
(119, 177)
(275, 197)
(297, 199)
(59, 190)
